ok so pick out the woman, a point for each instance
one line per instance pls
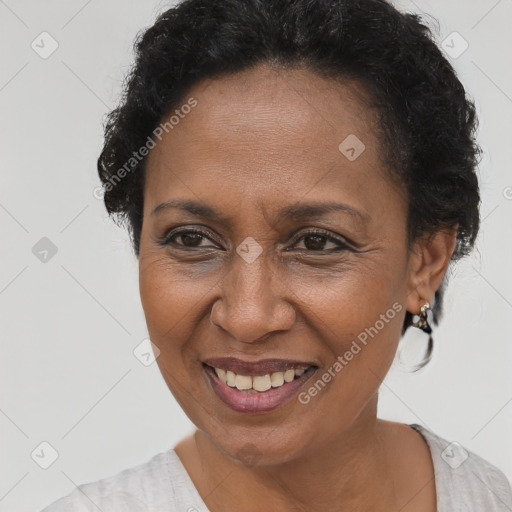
(296, 175)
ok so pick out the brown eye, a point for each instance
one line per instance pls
(315, 242)
(190, 239)
(318, 241)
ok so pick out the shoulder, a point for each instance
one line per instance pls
(464, 478)
(158, 484)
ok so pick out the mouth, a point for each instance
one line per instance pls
(257, 387)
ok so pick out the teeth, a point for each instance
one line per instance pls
(289, 375)
(230, 379)
(259, 383)
(277, 379)
(221, 374)
(243, 382)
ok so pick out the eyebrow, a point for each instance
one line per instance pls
(299, 211)
(193, 207)
(296, 211)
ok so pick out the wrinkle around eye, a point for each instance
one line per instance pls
(157, 260)
(169, 271)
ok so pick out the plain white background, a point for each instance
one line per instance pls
(68, 375)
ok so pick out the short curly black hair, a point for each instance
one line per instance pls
(426, 121)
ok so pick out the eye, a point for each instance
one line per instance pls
(318, 241)
(188, 239)
(313, 241)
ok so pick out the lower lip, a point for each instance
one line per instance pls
(242, 401)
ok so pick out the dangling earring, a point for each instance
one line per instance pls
(424, 325)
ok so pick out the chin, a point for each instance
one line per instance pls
(253, 450)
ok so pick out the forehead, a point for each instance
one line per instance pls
(268, 133)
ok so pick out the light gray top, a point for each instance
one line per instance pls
(464, 482)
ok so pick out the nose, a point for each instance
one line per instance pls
(252, 304)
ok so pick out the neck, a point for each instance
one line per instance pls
(352, 473)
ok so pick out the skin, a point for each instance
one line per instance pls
(257, 141)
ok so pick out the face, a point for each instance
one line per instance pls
(268, 249)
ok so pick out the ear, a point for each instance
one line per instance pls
(428, 261)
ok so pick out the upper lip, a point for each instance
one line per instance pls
(253, 368)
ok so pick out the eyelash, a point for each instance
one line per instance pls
(169, 238)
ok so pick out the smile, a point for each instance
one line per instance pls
(256, 387)
(258, 383)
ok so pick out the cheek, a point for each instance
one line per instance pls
(170, 301)
(175, 298)
(358, 315)
(358, 323)
(352, 297)
(170, 297)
